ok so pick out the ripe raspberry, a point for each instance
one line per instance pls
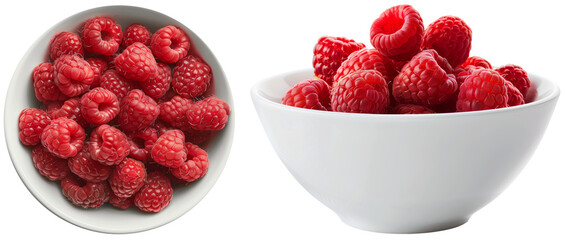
(191, 77)
(398, 32)
(71, 110)
(63, 137)
(174, 112)
(116, 83)
(477, 62)
(517, 76)
(121, 203)
(127, 178)
(483, 89)
(137, 111)
(108, 145)
(99, 66)
(195, 166)
(170, 44)
(73, 75)
(367, 59)
(169, 150)
(31, 123)
(49, 165)
(515, 98)
(208, 114)
(99, 106)
(102, 35)
(87, 168)
(85, 194)
(136, 33)
(158, 85)
(65, 43)
(155, 194)
(410, 109)
(426, 80)
(329, 53)
(450, 37)
(363, 91)
(141, 143)
(136, 62)
(44, 84)
(309, 94)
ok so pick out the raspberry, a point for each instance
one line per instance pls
(71, 110)
(85, 194)
(191, 77)
(99, 106)
(137, 111)
(136, 62)
(309, 94)
(121, 203)
(208, 114)
(141, 143)
(155, 194)
(102, 35)
(44, 84)
(329, 53)
(158, 85)
(483, 89)
(49, 165)
(169, 150)
(136, 33)
(87, 168)
(174, 112)
(195, 166)
(410, 109)
(108, 145)
(73, 75)
(127, 178)
(517, 76)
(450, 37)
(398, 32)
(515, 98)
(65, 43)
(477, 62)
(363, 91)
(116, 83)
(31, 123)
(63, 137)
(170, 44)
(367, 59)
(426, 80)
(99, 66)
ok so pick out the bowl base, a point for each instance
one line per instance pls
(381, 227)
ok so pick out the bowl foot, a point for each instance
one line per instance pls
(402, 228)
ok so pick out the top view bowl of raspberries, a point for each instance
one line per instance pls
(119, 119)
(409, 132)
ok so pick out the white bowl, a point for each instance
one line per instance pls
(106, 218)
(402, 173)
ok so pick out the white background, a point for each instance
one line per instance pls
(256, 197)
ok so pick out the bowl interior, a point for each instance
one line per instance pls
(106, 218)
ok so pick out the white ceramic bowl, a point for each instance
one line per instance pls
(402, 173)
(106, 218)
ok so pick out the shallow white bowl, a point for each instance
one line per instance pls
(106, 218)
(402, 173)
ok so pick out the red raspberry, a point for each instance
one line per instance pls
(121, 203)
(116, 83)
(208, 114)
(170, 44)
(398, 32)
(158, 85)
(49, 165)
(85, 194)
(102, 35)
(515, 98)
(363, 91)
(169, 150)
(87, 168)
(73, 75)
(450, 37)
(108, 145)
(99, 66)
(155, 194)
(410, 109)
(136, 62)
(195, 166)
(426, 80)
(44, 84)
(137, 111)
(329, 53)
(477, 62)
(483, 89)
(65, 43)
(63, 137)
(71, 110)
(191, 77)
(367, 59)
(127, 178)
(517, 76)
(31, 123)
(309, 94)
(99, 106)
(136, 33)
(141, 143)
(174, 112)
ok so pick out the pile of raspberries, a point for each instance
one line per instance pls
(123, 114)
(410, 70)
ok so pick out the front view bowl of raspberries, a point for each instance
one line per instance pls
(406, 133)
(119, 119)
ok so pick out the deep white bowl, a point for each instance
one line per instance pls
(106, 218)
(402, 173)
